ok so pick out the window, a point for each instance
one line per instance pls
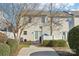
(25, 32)
(30, 18)
(70, 23)
(44, 19)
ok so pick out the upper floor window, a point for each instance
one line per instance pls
(70, 23)
(30, 19)
(25, 32)
(44, 19)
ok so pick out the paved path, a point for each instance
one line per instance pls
(31, 49)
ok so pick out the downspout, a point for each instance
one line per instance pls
(50, 19)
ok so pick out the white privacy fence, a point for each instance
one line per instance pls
(9, 34)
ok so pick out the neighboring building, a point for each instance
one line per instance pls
(39, 26)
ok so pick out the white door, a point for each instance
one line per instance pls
(37, 35)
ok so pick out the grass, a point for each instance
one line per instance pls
(21, 45)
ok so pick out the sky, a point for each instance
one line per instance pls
(72, 6)
(68, 6)
(8, 6)
(75, 6)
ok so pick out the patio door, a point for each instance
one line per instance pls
(37, 35)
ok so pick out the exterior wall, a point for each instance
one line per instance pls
(31, 29)
(57, 34)
(63, 29)
(76, 22)
(30, 33)
(35, 26)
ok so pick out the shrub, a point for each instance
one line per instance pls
(13, 43)
(28, 42)
(73, 39)
(45, 42)
(4, 49)
(54, 43)
(3, 38)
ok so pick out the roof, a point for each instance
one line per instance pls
(53, 14)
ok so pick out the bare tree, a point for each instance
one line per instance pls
(19, 15)
(55, 10)
(55, 19)
(15, 19)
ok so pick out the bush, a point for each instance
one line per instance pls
(54, 43)
(28, 43)
(73, 39)
(3, 38)
(4, 49)
(13, 43)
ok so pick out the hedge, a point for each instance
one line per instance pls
(27, 43)
(13, 43)
(4, 49)
(73, 39)
(54, 43)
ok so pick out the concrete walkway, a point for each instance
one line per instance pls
(32, 49)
